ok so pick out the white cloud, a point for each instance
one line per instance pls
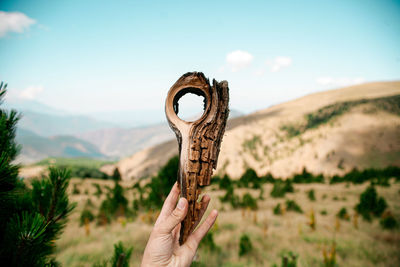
(14, 22)
(279, 63)
(31, 92)
(330, 81)
(239, 60)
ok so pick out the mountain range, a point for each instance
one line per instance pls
(44, 131)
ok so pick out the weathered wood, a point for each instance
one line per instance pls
(199, 141)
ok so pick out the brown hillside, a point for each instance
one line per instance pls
(328, 132)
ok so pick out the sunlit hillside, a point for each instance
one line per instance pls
(329, 132)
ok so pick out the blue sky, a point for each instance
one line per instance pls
(90, 56)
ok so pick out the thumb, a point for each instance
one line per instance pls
(177, 215)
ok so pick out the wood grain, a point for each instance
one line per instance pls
(199, 141)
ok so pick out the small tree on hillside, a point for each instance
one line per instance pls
(371, 204)
(116, 175)
(161, 184)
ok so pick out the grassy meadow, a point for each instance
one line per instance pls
(334, 241)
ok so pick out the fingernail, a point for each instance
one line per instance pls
(181, 204)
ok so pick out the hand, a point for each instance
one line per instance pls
(163, 247)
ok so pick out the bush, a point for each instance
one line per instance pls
(307, 177)
(225, 182)
(376, 176)
(278, 209)
(245, 245)
(85, 172)
(289, 259)
(160, 185)
(86, 216)
(268, 178)
(231, 198)
(249, 202)
(342, 214)
(371, 204)
(249, 179)
(114, 205)
(121, 255)
(75, 190)
(311, 195)
(388, 221)
(291, 205)
(281, 188)
(116, 175)
(98, 190)
(208, 243)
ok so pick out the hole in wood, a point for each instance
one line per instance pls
(189, 104)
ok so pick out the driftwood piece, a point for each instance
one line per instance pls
(199, 141)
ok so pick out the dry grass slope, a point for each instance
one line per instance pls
(363, 136)
(271, 235)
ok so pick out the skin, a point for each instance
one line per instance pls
(163, 247)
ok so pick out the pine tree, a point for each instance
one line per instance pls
(31, 219)
(116, 175)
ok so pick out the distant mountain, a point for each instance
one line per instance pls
(50, 125)
(130, 118)
(21, 104)
(48, 121)
(328, 132)
(35, 147)
(118, 142)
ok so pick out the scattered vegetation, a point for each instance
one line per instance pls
(159, 186)
(328, 113)
(370, 204)
(98, 192)
(388, 221)
(249, 179)
(342, 214)
(245, 245)
(120, 257)
(113, 206)
(289, 259)
(86, 217)
(306, 177)
(280, 188)
(277, 209)
(311, 195)
(330, 256)
(375, 176)
(208, 243)
(251, 146)
(291, 205)
(249, 202)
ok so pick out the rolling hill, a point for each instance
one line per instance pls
(48, 121)
(35, 147)
(329, 132)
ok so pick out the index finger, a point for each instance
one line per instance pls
(169, 203)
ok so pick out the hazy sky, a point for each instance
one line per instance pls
(87, 56)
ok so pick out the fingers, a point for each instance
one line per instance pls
(194, 239)
(169, 203)
(205, 200)
(177, 215)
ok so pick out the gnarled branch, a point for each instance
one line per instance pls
(199, 141)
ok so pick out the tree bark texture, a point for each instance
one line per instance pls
(199, 141)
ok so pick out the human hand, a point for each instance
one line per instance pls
(163, 247)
